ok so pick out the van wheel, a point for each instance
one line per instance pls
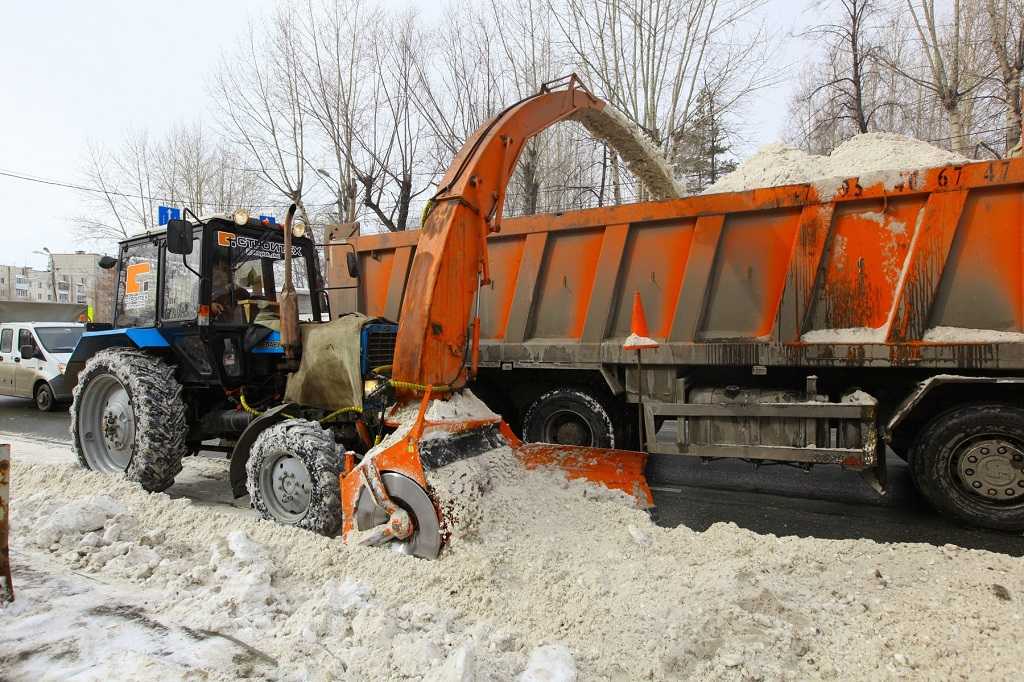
(969, 464)
(44, 397)
(128, 416)
(569, 416)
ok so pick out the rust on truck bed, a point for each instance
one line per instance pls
(917, 268)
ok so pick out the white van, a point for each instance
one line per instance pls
(32, 360)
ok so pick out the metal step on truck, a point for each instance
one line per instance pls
(799, 324)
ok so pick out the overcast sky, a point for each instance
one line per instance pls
(73, 72)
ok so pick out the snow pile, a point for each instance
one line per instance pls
(556, 580)
(871, 157)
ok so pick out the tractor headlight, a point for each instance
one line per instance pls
(241, 217)
(298, 230)
(370, 385)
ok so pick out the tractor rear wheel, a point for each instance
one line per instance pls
(127, 415)
(292, 476)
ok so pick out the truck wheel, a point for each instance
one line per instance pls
(44, 397)
(127, 415)
(292, 476)
(969, 463)
(569, 416)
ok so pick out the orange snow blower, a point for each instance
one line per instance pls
(385, 496)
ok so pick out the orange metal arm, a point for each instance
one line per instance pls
(435, 338)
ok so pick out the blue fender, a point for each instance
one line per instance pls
(93, 342)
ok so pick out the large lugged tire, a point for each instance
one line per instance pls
(569, 416)
(969, 464)
(292, 476)
(127, 415)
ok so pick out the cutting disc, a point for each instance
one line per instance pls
(425, 541)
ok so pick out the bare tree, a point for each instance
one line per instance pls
(186, 169)
(262, 103)
(391, 139)
(954, 71)
(336, 40)
(125, 182)
(1006, 35)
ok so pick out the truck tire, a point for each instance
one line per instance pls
(292, 476)
(969, 464)
(569, 416)
(43, 397)
(127, 415)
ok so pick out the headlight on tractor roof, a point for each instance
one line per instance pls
(369, 386)
(298, 230)
(240, 216)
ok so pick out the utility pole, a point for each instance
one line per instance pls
(53, 273)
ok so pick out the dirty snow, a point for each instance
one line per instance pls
(967, 335)
(557, 579)
(637, 342)
(845, 335)
(871, 157)
(859, 397)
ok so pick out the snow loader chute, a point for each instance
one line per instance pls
(385, 497)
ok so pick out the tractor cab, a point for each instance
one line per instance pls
(208, 293)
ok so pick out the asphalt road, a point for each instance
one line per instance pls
(826, 502)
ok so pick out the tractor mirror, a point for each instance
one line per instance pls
(352, 260)
(179, 237)
(107, 262)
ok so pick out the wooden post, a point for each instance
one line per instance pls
(6, 583)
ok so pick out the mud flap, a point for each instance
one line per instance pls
(877, 476)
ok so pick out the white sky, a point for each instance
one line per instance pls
(73, 72)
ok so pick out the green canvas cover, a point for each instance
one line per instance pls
(329, 375)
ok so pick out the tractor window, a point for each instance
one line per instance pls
(181, 285)
(247, 275)
(136, 287)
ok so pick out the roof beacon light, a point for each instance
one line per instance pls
(241, 217)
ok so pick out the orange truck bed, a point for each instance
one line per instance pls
(801, 324)
(899, 273)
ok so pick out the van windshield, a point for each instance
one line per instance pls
(59, 339)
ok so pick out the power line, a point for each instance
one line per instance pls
(99, 190)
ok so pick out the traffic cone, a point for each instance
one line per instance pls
(639, 337)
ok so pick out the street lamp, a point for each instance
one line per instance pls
(53, 272)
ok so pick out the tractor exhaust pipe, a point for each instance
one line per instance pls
(288, 302)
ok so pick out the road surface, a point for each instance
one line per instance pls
(826, 503)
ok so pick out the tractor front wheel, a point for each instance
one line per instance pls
(292, 476)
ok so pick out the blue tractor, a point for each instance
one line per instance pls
(194, 361)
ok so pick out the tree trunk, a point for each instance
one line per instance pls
(1013, 116)
(958, 137)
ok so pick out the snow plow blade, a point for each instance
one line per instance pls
(386, 498)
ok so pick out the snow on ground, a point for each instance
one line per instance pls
(556, 582)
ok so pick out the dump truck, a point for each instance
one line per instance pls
(808, 324)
